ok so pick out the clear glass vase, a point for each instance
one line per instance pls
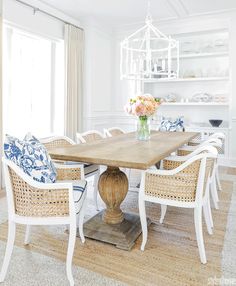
(143, 128)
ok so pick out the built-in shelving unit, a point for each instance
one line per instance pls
(159, 80)
(204, 55)
(195, 104)
(204, 69)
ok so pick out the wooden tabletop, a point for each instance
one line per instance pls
(125, 150)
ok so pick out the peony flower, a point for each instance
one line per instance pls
(142, 105)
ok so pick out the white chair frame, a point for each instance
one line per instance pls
(212, 182)
(107, 131)
(199, 203)
(53, 138)
(80, 136)
(13, 218)
(215, 180)
(81, 140)
(220, 136)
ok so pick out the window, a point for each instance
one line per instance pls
(33, 84)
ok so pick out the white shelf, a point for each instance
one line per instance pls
(205, 128)
(195, 103)
(192, 79)
(203, 55)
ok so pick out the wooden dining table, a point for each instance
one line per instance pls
(112, 225)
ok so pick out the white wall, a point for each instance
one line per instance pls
(23, 17)
(98, 77)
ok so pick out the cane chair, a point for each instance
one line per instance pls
(217, 135)
(220, 136)
(89, 137)
(63, 141)
(217, 143)
(114, 131)
(35, 203)
(186, 186)
(172, 162)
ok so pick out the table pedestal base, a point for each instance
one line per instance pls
(122, 235)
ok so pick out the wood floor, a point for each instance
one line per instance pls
(171, 254)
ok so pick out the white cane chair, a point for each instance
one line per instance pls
(114, 131)
(88, 137)
(217, 135)
(220, 136)
(186, 186)
(89, 169)
(217, 143)
(35, 203)
(172, 162)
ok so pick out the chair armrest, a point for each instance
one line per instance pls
(176, 158)
(37, 199)
(69, 172)
(181, 167)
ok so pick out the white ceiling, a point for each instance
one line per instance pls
(122, 12)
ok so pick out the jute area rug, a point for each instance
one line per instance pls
(170, 258)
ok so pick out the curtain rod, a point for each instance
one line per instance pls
(36, 9)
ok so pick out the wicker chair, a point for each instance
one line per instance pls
(34, 203)
(173, 162)
(89, 169)
(217, 135)
(220, 136)
(217, 143)
(89, 137)
(114, 131)
(186, 186)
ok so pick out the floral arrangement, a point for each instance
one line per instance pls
(142, 105)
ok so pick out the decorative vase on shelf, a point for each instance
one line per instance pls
(143, 130)
(143, 106)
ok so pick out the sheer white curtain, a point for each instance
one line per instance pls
(1, 133)
(74, 49)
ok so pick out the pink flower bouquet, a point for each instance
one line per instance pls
(142, 105)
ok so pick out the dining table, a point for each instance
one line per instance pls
(112, 225)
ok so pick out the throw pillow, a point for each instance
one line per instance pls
(31, 156)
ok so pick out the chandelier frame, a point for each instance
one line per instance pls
(146, 62)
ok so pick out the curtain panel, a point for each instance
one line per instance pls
(1, 108)
(74, 56)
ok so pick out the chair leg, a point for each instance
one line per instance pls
(9, 249)
(218, 179)
(95, 190)
(70, 252)
(214, 193)
(210, 213)
(81, 222)
(199, 234)
(207, 218)
(27, 235)
(143, 219)
(163, 212)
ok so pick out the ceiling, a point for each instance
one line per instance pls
(122, 12)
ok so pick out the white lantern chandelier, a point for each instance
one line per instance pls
(149, 54)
